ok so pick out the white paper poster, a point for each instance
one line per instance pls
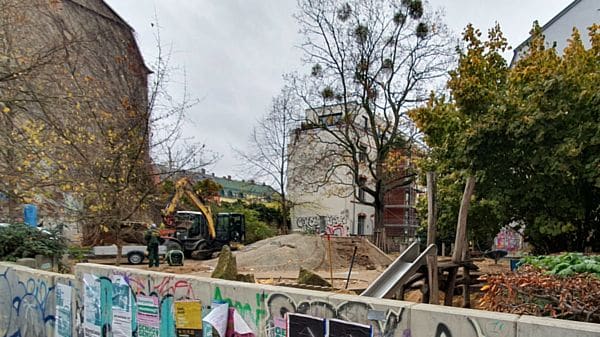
(91, 306)
(121, 307)
(218, 318)
(63, 326)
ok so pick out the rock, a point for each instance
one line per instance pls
(371, 267)
(226, 268)
(310, 278)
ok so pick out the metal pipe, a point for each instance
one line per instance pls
(351, 264)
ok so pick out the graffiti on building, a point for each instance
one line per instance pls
(319, 223)
(279, 304)
(336, 230)
(26, 306)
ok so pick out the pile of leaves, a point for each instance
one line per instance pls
(20, 241)
(534, 291)
(566, 264)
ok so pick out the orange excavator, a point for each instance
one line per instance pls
(197, 233)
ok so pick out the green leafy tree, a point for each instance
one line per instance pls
(529, 133)
(256, 228)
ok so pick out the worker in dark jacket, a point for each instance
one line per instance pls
(152, 243)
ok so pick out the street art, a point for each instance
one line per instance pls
(26, 306)
(280, 304)
(254, 313)
(336, 230)
(319, 224)
(508, 239)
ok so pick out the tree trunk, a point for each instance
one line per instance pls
(432, 269)
(117, 228)
(431, 209)
(284, 214)
(378, 226)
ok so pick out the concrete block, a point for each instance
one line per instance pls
(437, 320)
(386, 317)
(532, 326)
(27, 262)
(44, 262)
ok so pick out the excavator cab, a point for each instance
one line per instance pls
(231, 227)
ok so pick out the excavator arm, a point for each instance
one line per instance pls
(182, 187)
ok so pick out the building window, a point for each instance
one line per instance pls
(331, 119)
(407, 198)
(361, 191)
(361, 224)
(362, 154)
(230, 194)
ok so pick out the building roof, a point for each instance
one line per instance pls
(544, 27)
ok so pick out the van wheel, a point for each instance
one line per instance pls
(135, 257)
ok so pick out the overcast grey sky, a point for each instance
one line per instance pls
(234, 53)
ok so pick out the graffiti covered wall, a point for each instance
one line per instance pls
(28, 301)
(111, 301)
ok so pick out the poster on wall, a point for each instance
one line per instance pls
(279, 327)
(188, 318)
(339, 328)
(217, 318)
(300, 325)
(236, 326)
(63, 311)
(148, 319)
(121, 307)
(92, 323)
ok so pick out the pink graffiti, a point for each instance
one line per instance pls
(336, 230)
(167, 287)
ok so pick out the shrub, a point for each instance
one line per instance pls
(20, 241)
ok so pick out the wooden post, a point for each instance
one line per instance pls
(460, 241)
(432, 270)
(461, 238)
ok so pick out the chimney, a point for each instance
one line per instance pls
(203, 171)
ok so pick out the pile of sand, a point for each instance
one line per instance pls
(290, 252)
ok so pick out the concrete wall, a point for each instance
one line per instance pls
(27, 301)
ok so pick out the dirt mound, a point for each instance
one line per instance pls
(290, 252)
(367, 254)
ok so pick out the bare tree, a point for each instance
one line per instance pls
(269, 152)
(81, 121)
(371, 62)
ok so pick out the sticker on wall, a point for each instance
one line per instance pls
(63, 311)
(148, 319)
(121, 305)
(92, 319)
(300, 325)
(339, 328)
(188, 318)
(279, 327)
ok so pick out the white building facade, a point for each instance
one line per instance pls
(323, 189)
(579, 14)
